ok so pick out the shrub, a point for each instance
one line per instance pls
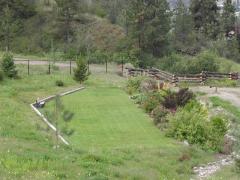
(179, 64)
(237, 164)
(81, 72)
(55, 67)
(133, 85)
(159, 115)
(8, 66)
(217, 132)
(191, 123)
(59, 83)
(149, 85)
(172, 100)
(206, 61)
(184, 96)
(152, 101)
(1, 75)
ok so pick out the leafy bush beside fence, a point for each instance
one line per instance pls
(179, 64)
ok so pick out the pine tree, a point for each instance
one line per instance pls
(206, 17)
(12, 15)
(58, 115)
(8, 27)
(148, 26)
(67, 9)
(8, 66)
(81, 72)
(228, 17)
(157, 27)
(183, 35)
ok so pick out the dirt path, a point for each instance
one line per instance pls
(42, 62)
(229, 94)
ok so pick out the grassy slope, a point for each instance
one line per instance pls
(226, 65)
(227, 172)
(27, 152)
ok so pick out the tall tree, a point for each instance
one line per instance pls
(67, 9)
(149, 24)
(228, 17)
(12, 15)
(157, 26)
(183, 35)
(206, 17)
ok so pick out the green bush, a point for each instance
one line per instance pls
(134, 84)
(217, 132)
(81, 72)
(179, 64)
(149, 85)
(159, 115)
(237, 164)
(8, 66)
(152, 101)
(206, 61)
(1, 75)
(191, 123)
(59, 83)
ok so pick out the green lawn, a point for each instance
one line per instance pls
(113, 138)
(106, 118)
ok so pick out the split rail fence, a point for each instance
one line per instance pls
(173, 78)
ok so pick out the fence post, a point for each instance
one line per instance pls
(70, 66)
(106, 66)
(122, 69)
(88, 67)
(28, 67)
(49, 68)
(203, 77)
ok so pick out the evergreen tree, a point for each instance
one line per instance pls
(81, 72)
(8, 66)
(67, 10)
(60, 114)
(149, 24)
(8, 27)
(228, 17)
(12, 15)
(157, 27)
(206, 17)
(183, 35)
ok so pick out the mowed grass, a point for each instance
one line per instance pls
(104, 117)
(113, 139)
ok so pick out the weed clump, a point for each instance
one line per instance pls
(59, 83)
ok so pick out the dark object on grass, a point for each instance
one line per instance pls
(59, 83)
(39, 104)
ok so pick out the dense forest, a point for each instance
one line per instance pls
(145, 32)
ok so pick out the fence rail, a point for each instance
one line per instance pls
(31, 67)
(190, 78)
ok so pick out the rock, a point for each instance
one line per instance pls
(186, 143)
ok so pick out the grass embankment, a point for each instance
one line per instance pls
(113, 139)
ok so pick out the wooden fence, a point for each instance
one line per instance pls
(189, 78)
